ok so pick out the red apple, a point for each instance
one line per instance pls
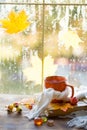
(73, 100)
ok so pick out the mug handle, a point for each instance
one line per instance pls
(72, 89)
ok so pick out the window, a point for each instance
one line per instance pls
(55, 43)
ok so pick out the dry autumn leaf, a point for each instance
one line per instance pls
(15, 22)
(62, 106)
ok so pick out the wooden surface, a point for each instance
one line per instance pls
(19, 122)
(54, 111)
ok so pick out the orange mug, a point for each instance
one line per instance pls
(58, 83)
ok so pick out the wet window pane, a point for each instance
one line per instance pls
(54, 43)
(21, 49)
(65, 43)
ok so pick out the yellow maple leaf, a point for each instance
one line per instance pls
(65, 106)
(62, 106)
(15, 22)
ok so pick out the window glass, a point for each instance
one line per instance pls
(49, 38)
(20, 49)
(65, 43)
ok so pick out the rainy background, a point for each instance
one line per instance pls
(55, 43)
